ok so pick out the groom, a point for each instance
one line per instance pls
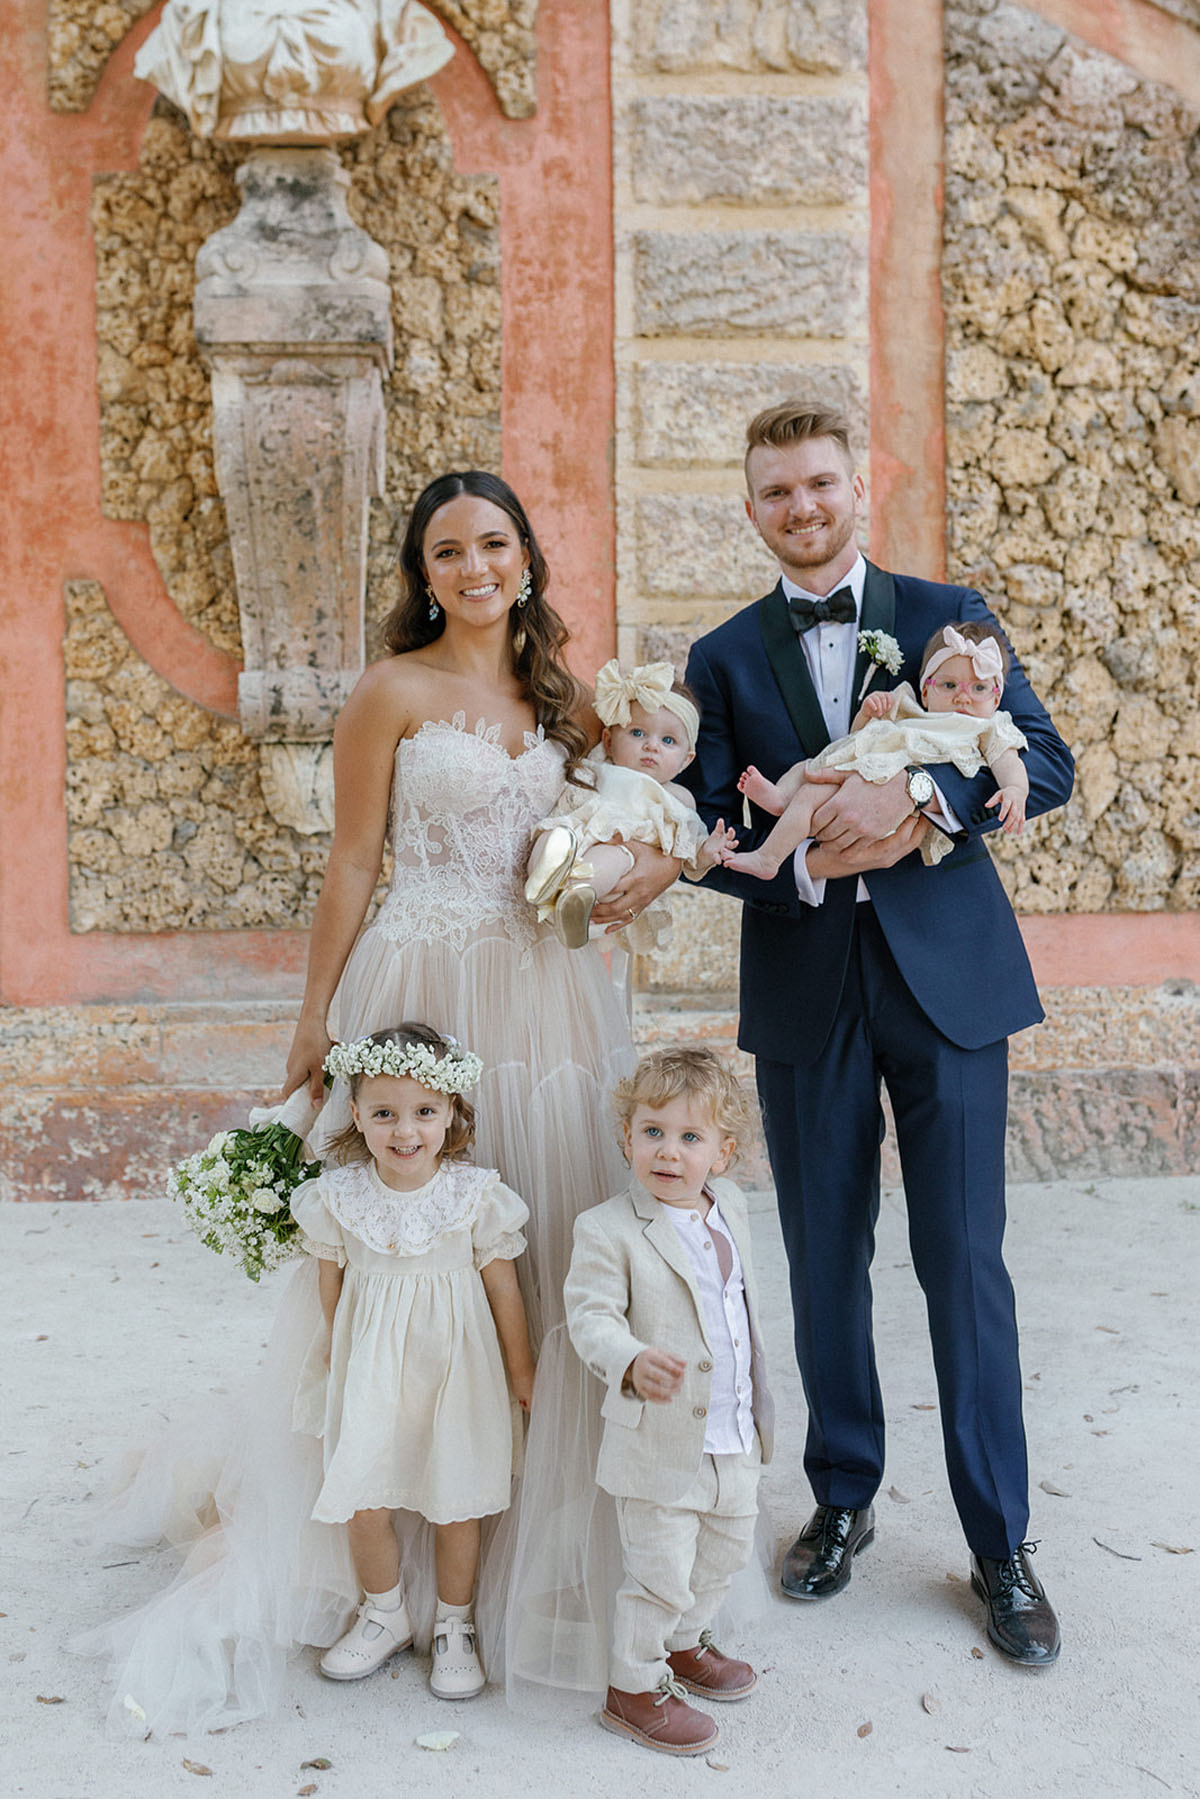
(860, 965)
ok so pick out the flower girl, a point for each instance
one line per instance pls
(384, 1390)
(420, 1294)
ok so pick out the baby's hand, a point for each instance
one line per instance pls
(1011, 802)
(720, 843)
(656, 1375)
(877, 705)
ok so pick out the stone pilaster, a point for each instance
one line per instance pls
(741, 240)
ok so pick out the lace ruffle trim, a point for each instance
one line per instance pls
(405, 1224)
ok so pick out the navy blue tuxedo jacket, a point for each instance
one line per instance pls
(951, 928)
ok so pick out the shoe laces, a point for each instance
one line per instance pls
(707, 1641)
(1013, 1572)
(670, 1689)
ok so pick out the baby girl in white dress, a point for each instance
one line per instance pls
(650, 723)
(957, 719)
(417, 1283)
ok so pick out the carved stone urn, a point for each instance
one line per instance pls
(293, 318)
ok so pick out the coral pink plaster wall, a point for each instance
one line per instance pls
(557, 421)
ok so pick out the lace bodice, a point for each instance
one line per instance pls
(463, 810)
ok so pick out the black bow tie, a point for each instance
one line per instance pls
(838, 609)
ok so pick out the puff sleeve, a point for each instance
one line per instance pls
(496, 1229)
(320, 1232)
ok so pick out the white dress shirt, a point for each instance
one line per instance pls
(830, 651)
(730, 1426)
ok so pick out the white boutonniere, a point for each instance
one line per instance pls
(884, 652)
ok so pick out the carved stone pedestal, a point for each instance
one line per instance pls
(293, 318)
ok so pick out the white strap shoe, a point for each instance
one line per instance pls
(370, 1640)
(457, 1671)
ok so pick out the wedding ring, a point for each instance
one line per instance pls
(632, 914)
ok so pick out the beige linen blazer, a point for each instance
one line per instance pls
(631, 1287)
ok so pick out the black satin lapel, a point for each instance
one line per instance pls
(790, 668)
(878, 614)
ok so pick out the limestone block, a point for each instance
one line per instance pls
(1090, 365)
(1177, 450)
(720, 283)
(776, 151)
(1071, 501)
(689, 415)
(699, 544)
(1017, 37)
(1024, 458)
(975, 372)
(702, 956)
(823, 36)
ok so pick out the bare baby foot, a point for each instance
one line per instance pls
(764, 793)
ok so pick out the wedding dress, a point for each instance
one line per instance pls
(454, 945)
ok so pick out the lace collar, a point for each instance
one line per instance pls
(404, 1224)
(482, 732)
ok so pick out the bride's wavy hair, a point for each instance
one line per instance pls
(549, 686)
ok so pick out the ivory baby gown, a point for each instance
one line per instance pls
(456, 946)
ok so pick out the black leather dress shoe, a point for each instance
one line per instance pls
(818, 1563)
(1020, 1619)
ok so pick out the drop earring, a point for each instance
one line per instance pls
(435, 610)
(520, 636)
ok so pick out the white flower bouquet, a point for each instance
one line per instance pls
(236, 1193)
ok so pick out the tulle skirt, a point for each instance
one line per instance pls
(234, 1480)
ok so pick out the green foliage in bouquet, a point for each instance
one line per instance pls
(236, 1194)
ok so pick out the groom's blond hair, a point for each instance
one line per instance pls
(793, 422)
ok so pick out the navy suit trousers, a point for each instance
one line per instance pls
(824, 1127)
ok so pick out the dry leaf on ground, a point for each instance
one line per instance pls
(864, 1730)
(306, 1792)
(958, 1748)
(437, 1739)
(1111, 1329)
(931, 1702)
(898, 1496)
(1048, 1486)
(717, 1767)
(318, 1761)
(1173, 1548)
(1120, 1553)
(976, 1652)
(50, 1699)
(195, 1767)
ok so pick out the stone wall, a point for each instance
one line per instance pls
(740, 166)
(441, 232)
(502, 33)
(1072, 292)
(167, 828)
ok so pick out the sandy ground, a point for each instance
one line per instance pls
(114, 1314)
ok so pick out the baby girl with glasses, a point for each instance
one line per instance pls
(627, 793)
(956, 719)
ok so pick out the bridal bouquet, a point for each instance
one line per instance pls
(236, 1192)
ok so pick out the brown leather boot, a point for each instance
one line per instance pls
(660, 1720)
(706, 1671)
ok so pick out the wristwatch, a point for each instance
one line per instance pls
(920, 787)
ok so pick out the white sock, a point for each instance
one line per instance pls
(391, 1601)
(445, 1612)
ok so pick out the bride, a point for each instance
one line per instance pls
(458, 742)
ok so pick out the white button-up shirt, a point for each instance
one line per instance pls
(730, 1427)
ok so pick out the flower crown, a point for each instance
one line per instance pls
(454, 1072)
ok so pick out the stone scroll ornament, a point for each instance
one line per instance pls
(293, 319)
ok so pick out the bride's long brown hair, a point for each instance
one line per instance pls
(549, 686)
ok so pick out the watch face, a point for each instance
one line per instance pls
(920, 787)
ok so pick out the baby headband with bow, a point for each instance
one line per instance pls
(985, 657)
(647, 686)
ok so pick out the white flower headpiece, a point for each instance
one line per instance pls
(454, 1072)
(648, 686)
